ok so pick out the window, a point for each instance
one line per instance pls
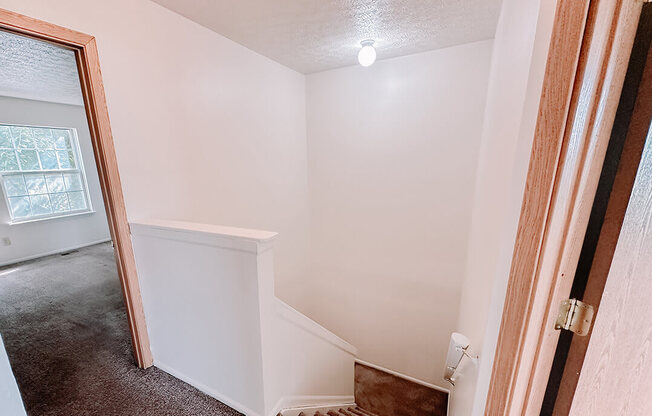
(42, 172)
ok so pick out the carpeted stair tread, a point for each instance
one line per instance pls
(355, 412)
(363, 412)
(350, 411)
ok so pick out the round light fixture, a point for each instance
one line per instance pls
(367, 55)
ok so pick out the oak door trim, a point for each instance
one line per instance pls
(587, 61)
(100, 129)
(635, 133)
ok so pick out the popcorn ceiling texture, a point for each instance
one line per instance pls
(315, 35)
(38, 70)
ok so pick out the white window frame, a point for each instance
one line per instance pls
(76, 150)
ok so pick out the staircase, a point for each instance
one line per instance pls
(352, 410)
(382, 392)
(215, 323)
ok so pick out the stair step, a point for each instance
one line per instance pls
(362, 411)
(342, 410)
(388, 393)
(355, 412)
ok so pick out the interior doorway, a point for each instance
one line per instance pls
(591, 45)
(63, 321)
(71, 319)
(622, 160)
(89, 78)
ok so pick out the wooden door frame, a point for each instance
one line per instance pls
(90, 76)
(587, 61)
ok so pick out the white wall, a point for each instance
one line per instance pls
(34, 239)
(517, 69)
(11, 403)
(200, 294)
(204, 129)
(392, 155)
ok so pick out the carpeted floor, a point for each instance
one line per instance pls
(65, 329)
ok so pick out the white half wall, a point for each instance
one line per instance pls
(392, 153)
(517, 69)
(205, 130)
(214, 322)
(201, 299)
(35, 239)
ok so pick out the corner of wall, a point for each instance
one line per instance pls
(520, 53)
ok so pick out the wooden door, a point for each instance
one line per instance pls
(616, 378)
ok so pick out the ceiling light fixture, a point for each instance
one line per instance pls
(367, 55)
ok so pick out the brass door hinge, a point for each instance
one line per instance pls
(575, 316)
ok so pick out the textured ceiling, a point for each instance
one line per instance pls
(38, 70)
(315, 35)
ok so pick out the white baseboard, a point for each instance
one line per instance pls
(205, 389)
(294, 405)
(291, 402)
(50, 253)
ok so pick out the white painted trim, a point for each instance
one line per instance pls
(293, 405)
(51, 217)
(277, 407)
(27, 97)
(403, 376)
(53, 252)
(204, 389)
(293, 316)
(241, 239)
(221, 230)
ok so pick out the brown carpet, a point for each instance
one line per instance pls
(65, 329)
(385, 394)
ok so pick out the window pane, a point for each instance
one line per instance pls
(59, 202)
(38, 194)
(43, 138)
(66, 159)
(23, 137)
(20, 207)
(77, 200)
(55, 182)
(48, 159)
(35, 184)
(40, 204)
(62, 139)
(28, 159)
(8, 160)
(73, 181)
(15, 185)
(5, 137)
